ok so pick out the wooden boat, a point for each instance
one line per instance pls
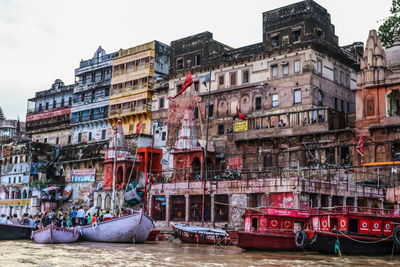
(13, 232)
(194, 234)
(127, 229)
(352, 230)
(153, 235)
(54, 234)
(271, 228)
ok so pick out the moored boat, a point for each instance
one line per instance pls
(352, 231)
(14, 232)
(202, 235)
(271, 228)
(53, 234)
(127, 229)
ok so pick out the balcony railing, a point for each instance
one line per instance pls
(133, 69)
(50, 125)
(89, 117)
(32, 111)
(128, 111)
(129, 90)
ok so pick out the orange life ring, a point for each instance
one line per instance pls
(324, 223)
(287, 224)
(274, 223)
(343, 223)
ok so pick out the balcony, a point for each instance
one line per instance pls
(128, 111)
(47, 126)
(129, 90)
(91, 85)
(289, 123)
(90, 117)
(133, 69)
(32, 111)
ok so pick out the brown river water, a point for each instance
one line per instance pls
(166, 253)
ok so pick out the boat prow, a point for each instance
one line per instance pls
(54, 234)
(14, 232)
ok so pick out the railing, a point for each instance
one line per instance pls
(32, 111)
(89, 117)
(353, 210)
(133, 69)
(127, 111)
(128, 90)
(48, 125)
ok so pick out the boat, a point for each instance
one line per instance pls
(352, 231)
(153, 235)
(201, 235)
(271, 228)
(53, 234)
(14, 231)
(131, 228)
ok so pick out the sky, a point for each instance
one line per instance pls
(44, 40)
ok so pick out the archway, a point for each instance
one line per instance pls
(30, 194)
(120, 175)
(128, 176)
(196, 168)
(99, 201)
(107, 204)
(24, 195)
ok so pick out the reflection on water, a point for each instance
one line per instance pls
(165, 253)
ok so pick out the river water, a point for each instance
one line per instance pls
(166, 253)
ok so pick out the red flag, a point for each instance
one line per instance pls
(241, 116)
(139, 127)
(360, 148)
(188, 82)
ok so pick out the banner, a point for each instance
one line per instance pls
(15, 202)
(83, 175)
(240, 126)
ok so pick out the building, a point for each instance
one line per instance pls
(11, 130)
(294, 150)
(135, 71)
(89, 112)
(49, 114)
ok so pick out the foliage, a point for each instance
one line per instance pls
(42, 183)
(390, 25)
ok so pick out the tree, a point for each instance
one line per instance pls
(390, 25)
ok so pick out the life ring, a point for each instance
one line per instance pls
(343, 223)
(94, 225)
(300, 239)
(396, 236)
(274, 223)
(387, 226)
(324, 223)
(364, 224)
(376, 225)
(191, 235)
(287, 224)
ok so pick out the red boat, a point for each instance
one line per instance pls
(201, 235)
(271, 228)
(352, 230)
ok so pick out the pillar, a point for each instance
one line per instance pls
(103, 199)
(381, 201)
(212, 209)
(168, 200)
(318, 200)
(150, 205)
(187, 206)
(344, 201)
(330, 201)
(296, 200)
(355, 201)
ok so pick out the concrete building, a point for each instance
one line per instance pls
(89, 112)
(49, 114)
(134, 72)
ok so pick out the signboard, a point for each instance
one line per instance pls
(235, 163)
(240, 126)
(49, 114)
(83, 175)
(15, 202)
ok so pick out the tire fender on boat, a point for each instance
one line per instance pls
(191, 235)
(396, 235)
(94, 225)
(300, 239)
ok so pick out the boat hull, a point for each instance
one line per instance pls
(52, 234)
(14, 232)
(132, 228)
(325, 243)
(188, 234)
(279, 240)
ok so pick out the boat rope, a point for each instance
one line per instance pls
(364, 242)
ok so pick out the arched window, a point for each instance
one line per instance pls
(369, 105)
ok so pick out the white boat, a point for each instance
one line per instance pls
(54, 234)
(132, 228)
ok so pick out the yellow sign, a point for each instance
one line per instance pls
(15, 202)
(240, 126)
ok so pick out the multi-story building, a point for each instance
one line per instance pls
(134, 72)
(49, 114)
(89, 112)
(295, 90)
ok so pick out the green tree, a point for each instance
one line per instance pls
(390, 25)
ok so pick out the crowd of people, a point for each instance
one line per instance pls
(75, 217)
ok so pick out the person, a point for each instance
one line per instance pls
(73, 216)
(9, 220)
(93, 220)
(3, 218)
(15, 220)
(281, 123)
(52, 215)
(68, 221)
(46, 220)
(88, 219)
(60, 214)
(31, 222)
(107, 216)
(81, 216)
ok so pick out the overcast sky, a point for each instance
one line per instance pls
(41, 41)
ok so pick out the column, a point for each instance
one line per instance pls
(187, 206)
(150, 205)
(381, 203)
(296, 200)
(329, 201)
(355, 201)
(318, 200)
(344, 201)
(167, 197)
(213, 209)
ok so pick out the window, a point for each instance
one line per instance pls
(319, 67)
(79, 137)
(274, 40)
(258, 103)
(70, 101)
(54, 104)
(179, 63)
(320, 97)
(163, 136)
(296, 35)
(335, 77)
(40, 107)
(221, 80)
(69, 139)
(297, 66)
(347, 80)
(341, 106)
(47, 105)
(275, 100)
(297, 96)
(285, 40)
(245, 76)
(45, 140)
(341, 78)
(196, 86)
(233, 79)
(220, 129)
(335, 103)
(84, 79)
(57, 140)
(196, 112)
(197, 60)
(90, 136)
(178, 88)
(285, 68)
(211, 110)
(103, 134)
(161, 103)
(62, 102)
(93, 76)
(274, 69)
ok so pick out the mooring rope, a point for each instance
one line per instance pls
(364, 242)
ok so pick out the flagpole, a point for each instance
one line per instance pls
(206, 149)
